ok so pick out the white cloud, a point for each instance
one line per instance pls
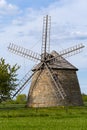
(69, 27)
(2, 3)
(65, 30)
(7, 8)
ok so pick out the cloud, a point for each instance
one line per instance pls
(67, 26)
(2, 3)
(7, 8)
(24, 28)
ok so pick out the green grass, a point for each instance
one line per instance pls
(17, 117)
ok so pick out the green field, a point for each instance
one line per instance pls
(17, 117)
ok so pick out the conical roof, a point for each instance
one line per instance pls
(58, 62)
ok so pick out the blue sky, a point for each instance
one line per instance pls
(21, 23)
(31, 3)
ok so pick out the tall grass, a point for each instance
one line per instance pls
(17, 117)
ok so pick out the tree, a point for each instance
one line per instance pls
(21, 99)
(8, 79)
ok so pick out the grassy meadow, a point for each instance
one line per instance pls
(17, 117)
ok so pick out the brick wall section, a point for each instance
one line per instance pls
(42, 92)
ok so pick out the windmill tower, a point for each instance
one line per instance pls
(54, 79)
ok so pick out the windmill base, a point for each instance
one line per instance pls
(43, 94)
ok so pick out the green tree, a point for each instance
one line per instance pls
(8, 79)
(21, 99)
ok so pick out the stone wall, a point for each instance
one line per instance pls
(43, 94)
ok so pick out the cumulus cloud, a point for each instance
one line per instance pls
(68, 28)
(2, 3)
(68, 23)
(7, 8)
(68, 20)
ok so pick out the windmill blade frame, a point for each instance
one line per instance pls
(69, 52)
(46, 36)
(72, 50)
(22, 86)
(24, 52)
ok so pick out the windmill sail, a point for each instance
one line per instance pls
(24, 52)
(25, 80)
(46, 36)
(68, 52)
(72, 50)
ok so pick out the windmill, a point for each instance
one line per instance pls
(54, 80)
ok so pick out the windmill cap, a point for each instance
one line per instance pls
(57, 62)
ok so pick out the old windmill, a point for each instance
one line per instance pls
(54, 79)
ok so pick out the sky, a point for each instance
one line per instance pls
(21, 23)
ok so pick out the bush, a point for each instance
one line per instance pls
(21, 99)
(84, 97)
